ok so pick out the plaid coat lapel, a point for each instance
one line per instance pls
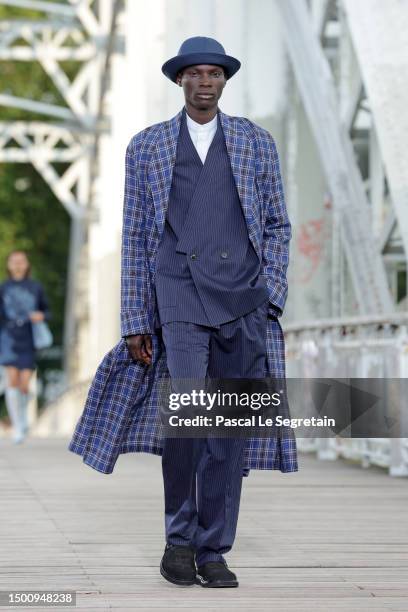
(161, 166)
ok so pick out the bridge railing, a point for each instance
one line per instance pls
(353, 347)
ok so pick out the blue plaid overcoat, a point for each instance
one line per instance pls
(121, 413)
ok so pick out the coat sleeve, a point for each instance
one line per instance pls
(277, 231)
(134, 272)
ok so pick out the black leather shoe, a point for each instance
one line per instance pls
(216, 574)
(177, 565)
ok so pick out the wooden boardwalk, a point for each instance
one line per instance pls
(331, 537)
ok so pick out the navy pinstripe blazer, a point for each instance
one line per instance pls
(121, 411)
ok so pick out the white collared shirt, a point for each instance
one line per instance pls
(202, 134)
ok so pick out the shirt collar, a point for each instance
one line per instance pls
(201, 127)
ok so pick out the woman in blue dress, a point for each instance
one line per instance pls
(22, 301)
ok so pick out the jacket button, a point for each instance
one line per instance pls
(224, 255)
(193, 256)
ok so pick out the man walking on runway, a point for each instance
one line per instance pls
(220, 273)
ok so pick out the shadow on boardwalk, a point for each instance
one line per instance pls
(331, 537)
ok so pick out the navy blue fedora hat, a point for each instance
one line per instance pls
(200, 50)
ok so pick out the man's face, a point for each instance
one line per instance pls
(202, 85)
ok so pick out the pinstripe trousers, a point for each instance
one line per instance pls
(203, 476)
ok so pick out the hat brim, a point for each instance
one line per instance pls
(173, 65)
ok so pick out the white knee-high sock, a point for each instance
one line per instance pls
(24, 398)
(13, 407)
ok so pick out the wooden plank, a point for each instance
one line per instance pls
(330, 537)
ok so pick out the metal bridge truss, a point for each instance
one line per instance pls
(350, 59)
(81, 31)
(350, 64)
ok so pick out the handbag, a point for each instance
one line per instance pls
(42, 336)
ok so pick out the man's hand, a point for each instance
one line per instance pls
(140, 347)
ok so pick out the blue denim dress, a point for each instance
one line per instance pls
(17, 299)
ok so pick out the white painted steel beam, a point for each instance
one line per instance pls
(379, 34)
(42, 108)
(318, 93)
(39, 5)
